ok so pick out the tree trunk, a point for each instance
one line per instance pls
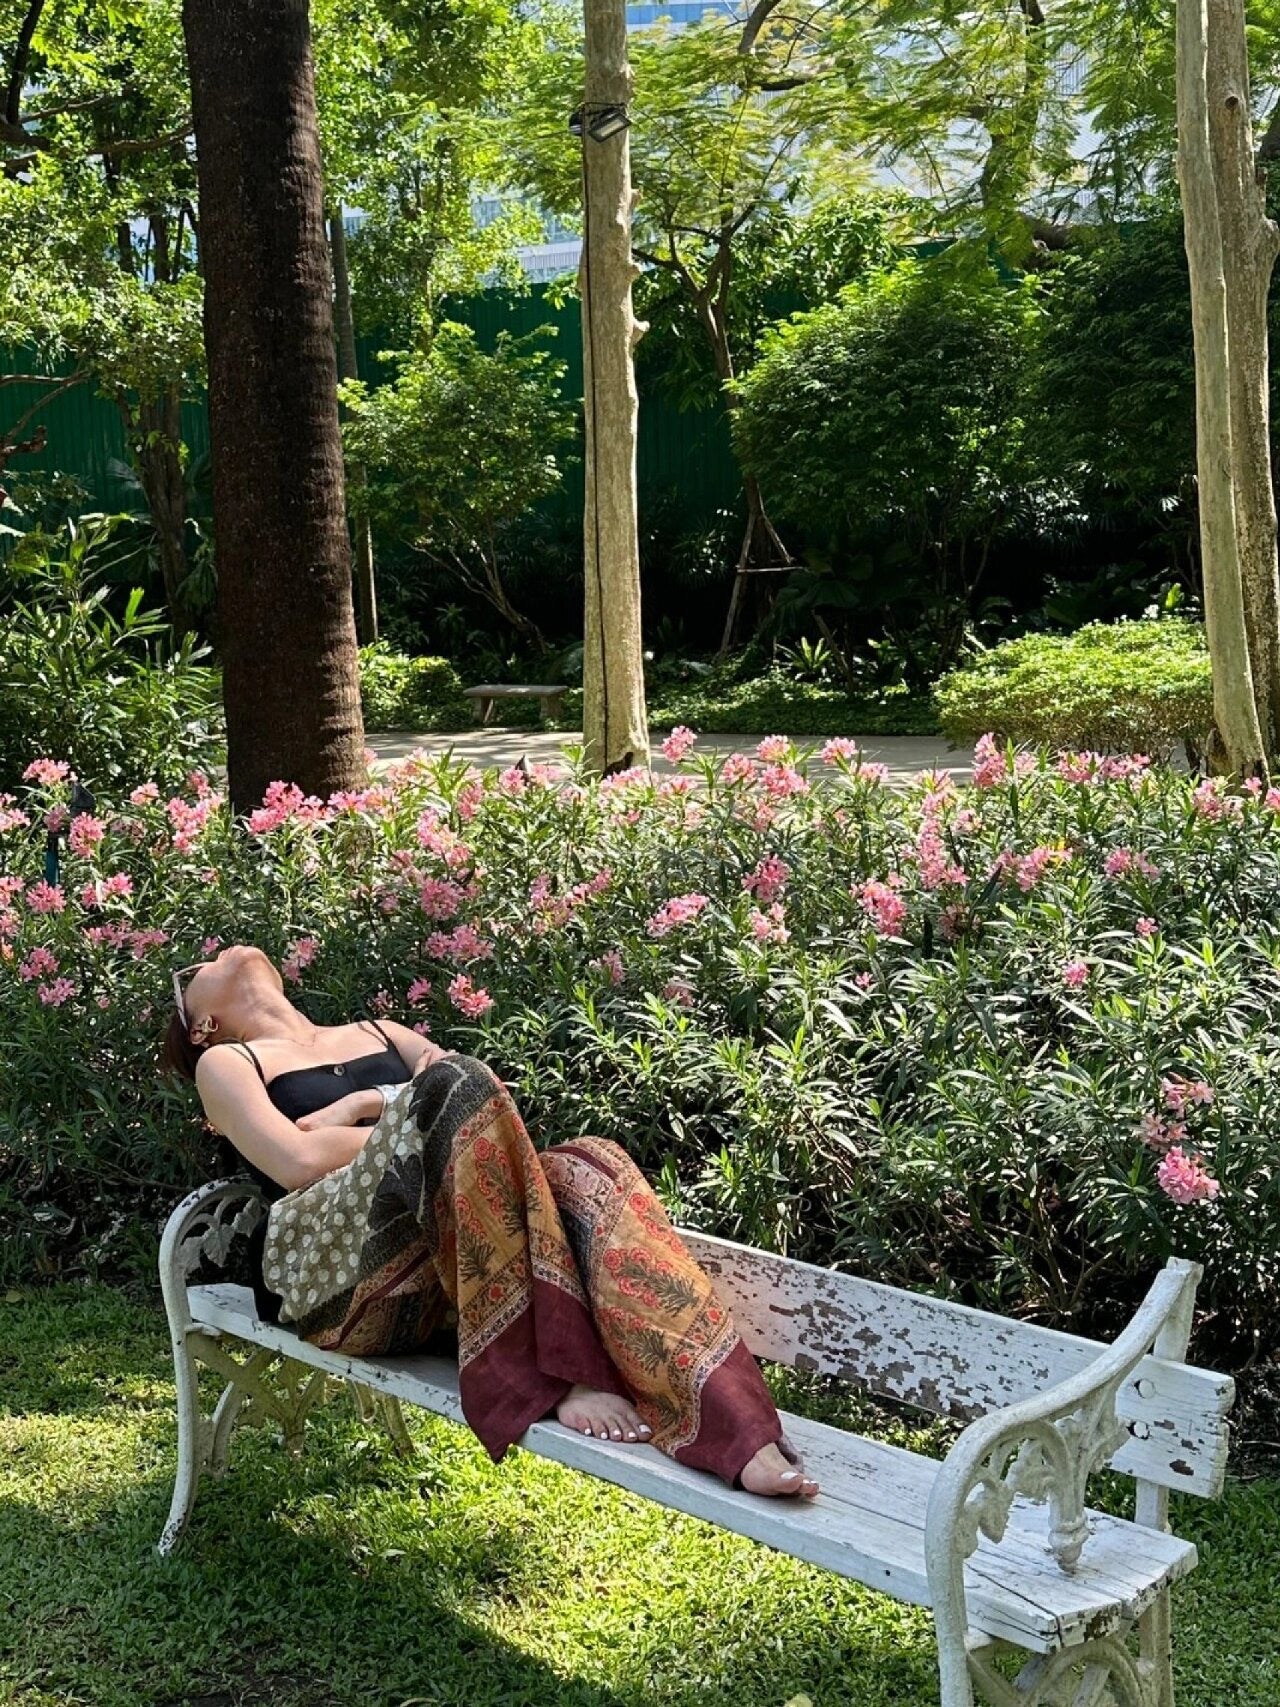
(154, 431)
(615, 723)
(1249, 246)
(1231, 248)
(760, 542)
(365, 588)
(290, 670)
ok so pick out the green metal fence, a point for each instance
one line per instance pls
(682, 455)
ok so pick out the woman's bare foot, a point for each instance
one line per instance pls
(769, 1472)
(603, 1414)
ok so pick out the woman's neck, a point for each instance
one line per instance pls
(274, 1016)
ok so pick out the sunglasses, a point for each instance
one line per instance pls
(179, 975)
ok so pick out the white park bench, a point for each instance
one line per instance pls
(1082, 1597)
(548, 695)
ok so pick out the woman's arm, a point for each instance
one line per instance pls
(236, 1103)
(415, 1050)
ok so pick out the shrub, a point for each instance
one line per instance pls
(399, 692)
(1144, 685)
(967, 1038)
(107, 691)
(888, 429)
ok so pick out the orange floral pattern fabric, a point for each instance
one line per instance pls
(544, 1269)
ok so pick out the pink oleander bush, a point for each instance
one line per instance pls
(1014, 1040)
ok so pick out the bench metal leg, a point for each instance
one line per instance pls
(195, 1445)
(204, 1442)
(1101, 1673)
(375, 1406)
(1155, 1633)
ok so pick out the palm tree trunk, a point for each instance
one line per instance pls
(290, 670)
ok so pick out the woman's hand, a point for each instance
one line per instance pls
(347, 1111)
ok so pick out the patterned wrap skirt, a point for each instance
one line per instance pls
(550, 1267)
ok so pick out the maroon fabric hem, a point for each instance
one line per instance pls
(738, 1417)
(530, 1367)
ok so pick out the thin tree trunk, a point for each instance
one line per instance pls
(344, 321)
(290, 670)
(1234, 702)
(760, 542)
(154, 430)
(615, 723)
(1249, 246)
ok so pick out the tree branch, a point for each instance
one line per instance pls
(21, 59)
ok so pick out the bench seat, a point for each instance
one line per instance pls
(868, 1524)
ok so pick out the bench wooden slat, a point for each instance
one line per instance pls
(953, 1360)
(514, 690)
(868, 1524)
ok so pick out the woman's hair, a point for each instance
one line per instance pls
(178, 1054)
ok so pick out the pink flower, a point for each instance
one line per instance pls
(85, 833)
(678, 743)
(990, 765)
(1150, 1130)
(56, 818)
(610, 963)
(774, 749)
(44, 897)
(779, 781)
(419, 990)
(839, 750)
(1075, 973)
(1146, 926)
(676, 990)
(1178, 1092)
(144, 941)
(1184, 1179)
(680, 910)
(439, 898)
(282, 801)
(12, 817)
(770, 926)
(421, 1027)
(464, 942)
(40, 963)
(886, 909)
(737, 768)
(104, 1001)
(47, 771)
(768, 880)
(467, 999)
(144, 792)
(299, 954)
(1028, 869)
(53, 995)
(1121, 861)
(210, 946)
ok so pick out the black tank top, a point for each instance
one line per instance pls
(296, 1092)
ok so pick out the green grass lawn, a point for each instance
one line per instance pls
(352, 1576)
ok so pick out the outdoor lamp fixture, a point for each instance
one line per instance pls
(601, 122)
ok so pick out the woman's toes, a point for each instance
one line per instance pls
(771, 1474)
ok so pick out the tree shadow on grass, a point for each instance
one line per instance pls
(351, 1576)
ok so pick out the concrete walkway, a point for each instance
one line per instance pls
(905, 755)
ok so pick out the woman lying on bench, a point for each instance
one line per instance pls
(565, 1283)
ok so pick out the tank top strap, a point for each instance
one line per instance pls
(382, 1034)
(238, 1043)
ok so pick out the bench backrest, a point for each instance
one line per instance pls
(956, 1361)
